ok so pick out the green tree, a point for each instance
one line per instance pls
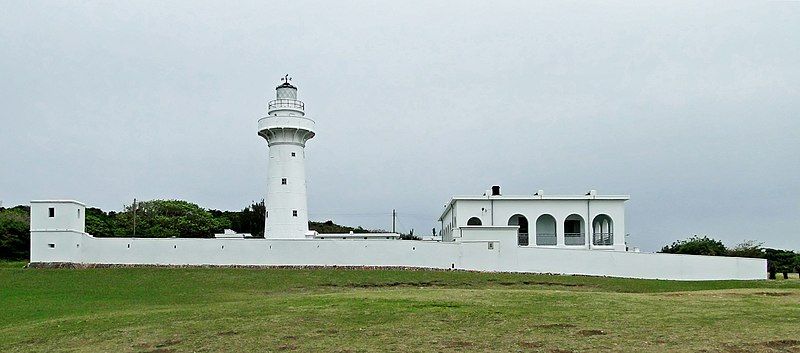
(169, 218)
(328, 227)
(100, 223)
(797, 264)
(15, 235)
(779, 261)
(748, 248)
(696, 246)
(248, 220)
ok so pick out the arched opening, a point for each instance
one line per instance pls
(522, 233)
(474, 221)
(573, 230)
(546, 230)
(602, 230)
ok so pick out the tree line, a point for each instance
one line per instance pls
(778, 260)
(152, 219)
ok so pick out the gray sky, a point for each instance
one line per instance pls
(692, 109)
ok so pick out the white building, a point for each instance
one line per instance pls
(582, 235)
(543, 220)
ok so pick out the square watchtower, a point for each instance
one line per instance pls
(58, 215)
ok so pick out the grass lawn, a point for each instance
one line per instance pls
(309, 310)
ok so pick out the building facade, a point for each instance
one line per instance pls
(589, 221)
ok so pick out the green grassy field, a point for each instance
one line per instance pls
(308, 310)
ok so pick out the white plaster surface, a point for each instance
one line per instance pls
(493, 250)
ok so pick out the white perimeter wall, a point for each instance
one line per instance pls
(490, 249)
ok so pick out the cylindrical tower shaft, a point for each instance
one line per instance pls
(286, 130)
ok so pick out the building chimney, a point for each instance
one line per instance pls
(495, 190)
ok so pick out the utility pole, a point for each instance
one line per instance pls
(394, 219)
(134, 217)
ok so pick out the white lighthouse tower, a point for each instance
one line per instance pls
(286, 129)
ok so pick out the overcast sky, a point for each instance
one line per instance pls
(692, 109)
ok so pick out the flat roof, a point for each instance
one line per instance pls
(58, 201)
(531, 198)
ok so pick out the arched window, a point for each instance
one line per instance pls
(546, 230)
(602, 230)
(474, 221)
(522, 233)
(574, 230)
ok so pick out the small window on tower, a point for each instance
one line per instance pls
(51, 212)
(266, 214)
(293, 154)
(294, 213)
(283, 181)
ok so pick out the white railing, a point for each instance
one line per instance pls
(547, 239)
(286, 103)
(603, 238)
(574, 239)
(522, 239)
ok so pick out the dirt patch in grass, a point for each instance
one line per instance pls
(287, 347)
(775, 294)
(436, 305)
(542, 283)
(587, 333)
(560, 350)
(227, 333)
(170, 342)
(733, 349)
(555, 325)
(458, 344)
(782, 344)
(771, 346)
(526, 344)
(159, 347)
(391, 284)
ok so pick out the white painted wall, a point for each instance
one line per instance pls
(490, 249)
(481, 248)
(67, 215)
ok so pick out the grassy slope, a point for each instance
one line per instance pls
(177, 310)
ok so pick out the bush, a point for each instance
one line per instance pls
(696, 246)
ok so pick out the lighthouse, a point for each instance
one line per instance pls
(286, 129)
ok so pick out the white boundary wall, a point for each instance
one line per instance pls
(480, 249)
